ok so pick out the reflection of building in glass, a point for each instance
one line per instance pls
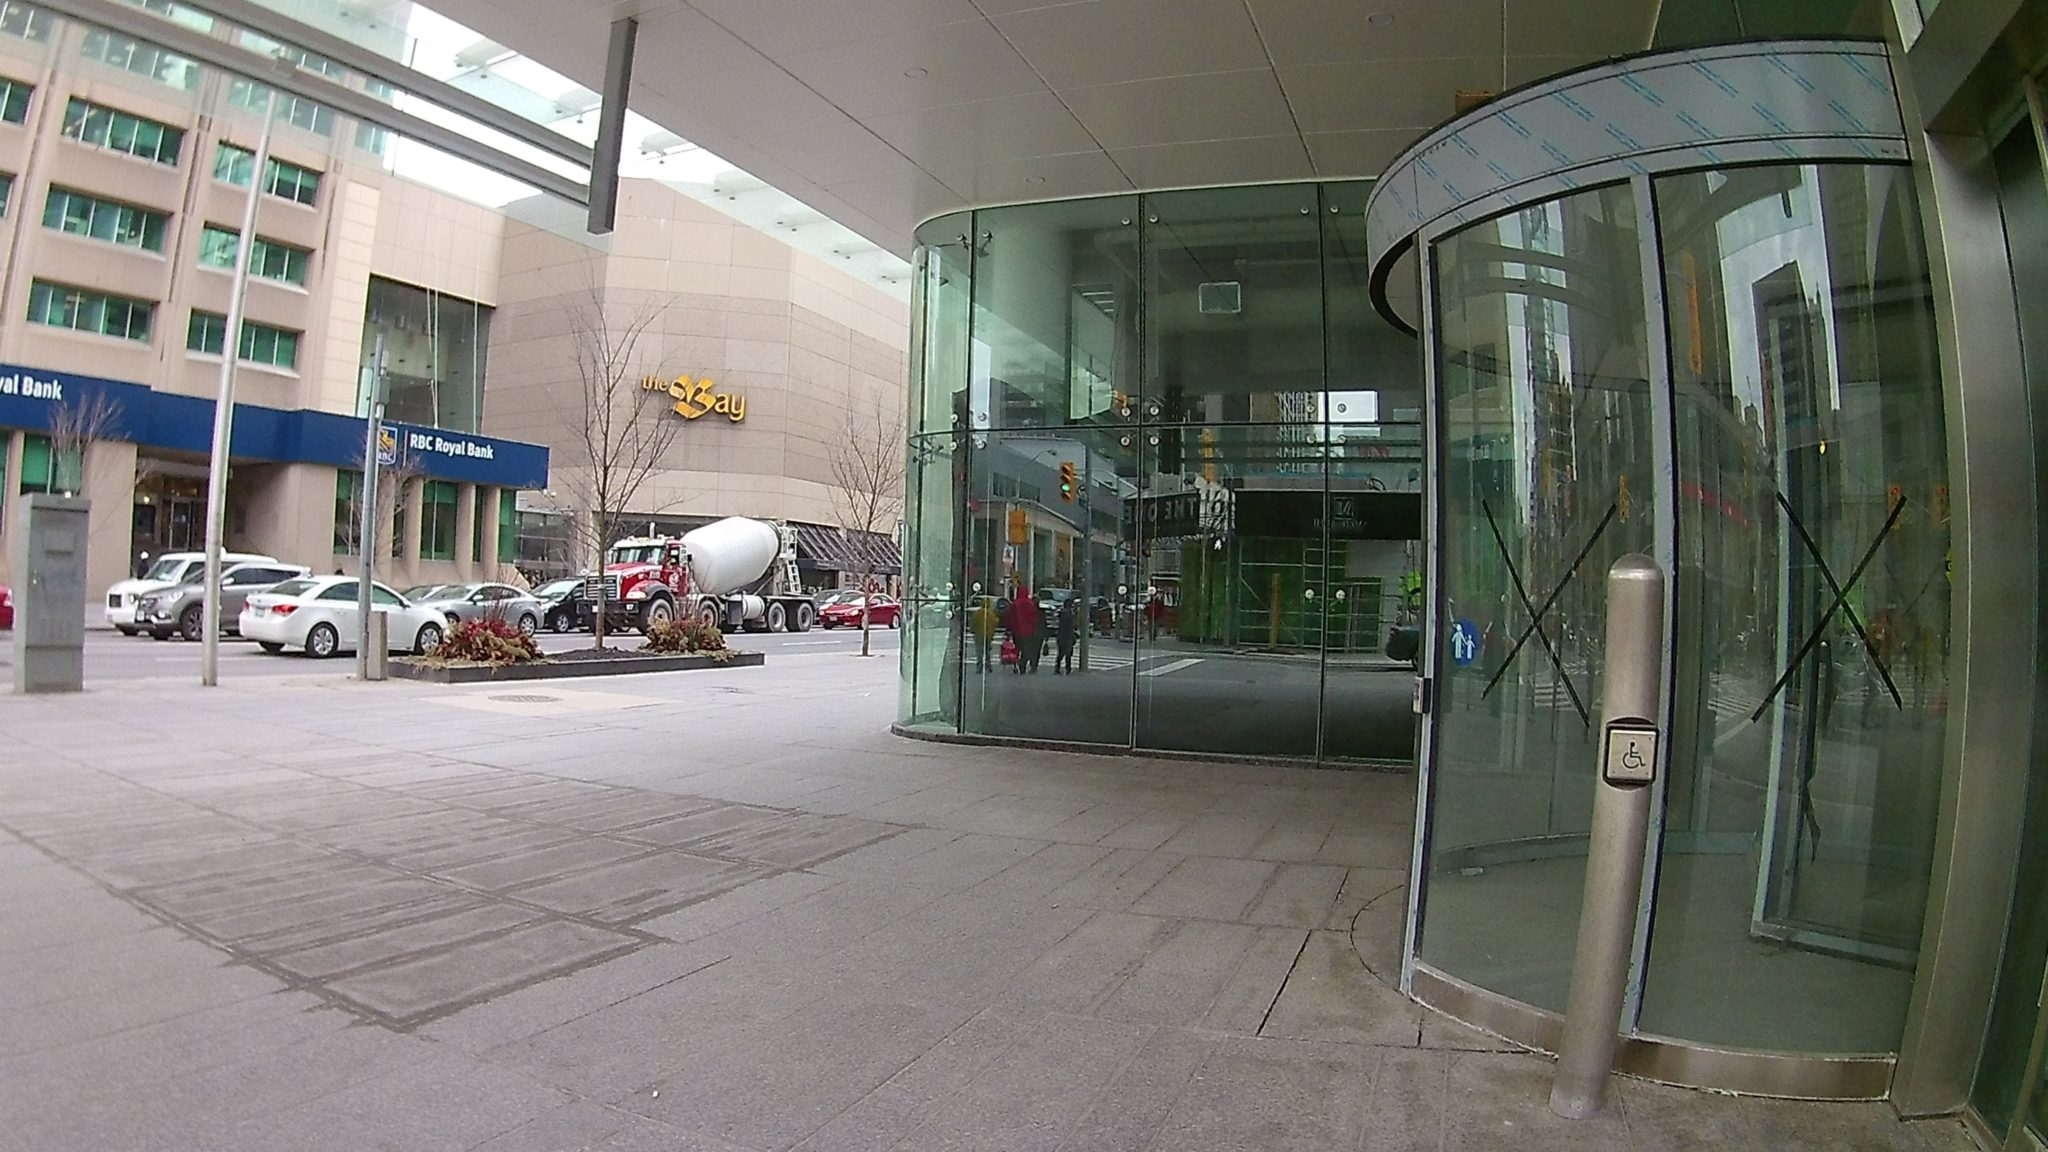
(435, 346)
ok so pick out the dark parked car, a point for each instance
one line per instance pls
(560, 598)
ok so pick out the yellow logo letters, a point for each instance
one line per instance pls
(696, 398)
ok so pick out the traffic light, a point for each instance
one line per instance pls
(1067, 483)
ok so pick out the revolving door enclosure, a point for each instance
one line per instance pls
(1705, 335)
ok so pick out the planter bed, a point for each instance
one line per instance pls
(581, 662)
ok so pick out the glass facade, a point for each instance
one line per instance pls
(14, 96)
(233, 165)
(82, 214)
(434, 349)
(438, 502)
(86, 311)
(1165, 478)
(261, 343)
(269, 260)
(118, 131)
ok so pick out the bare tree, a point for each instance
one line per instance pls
(77, 425)
(620, 423)
(867, 486)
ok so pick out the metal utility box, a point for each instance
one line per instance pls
(49, 603)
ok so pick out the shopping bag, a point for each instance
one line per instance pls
(1009, 650)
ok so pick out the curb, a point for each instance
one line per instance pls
(404, 669)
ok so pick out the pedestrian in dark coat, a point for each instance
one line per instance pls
(1067, 631)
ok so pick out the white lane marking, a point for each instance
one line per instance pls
(1176, 666)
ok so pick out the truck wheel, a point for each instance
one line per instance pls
(192, 623)
(126, 629)
(658, 612)
(710, 617)
(805, 614)
(778, 618)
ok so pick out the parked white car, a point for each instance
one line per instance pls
(169, 570)
(318, 614)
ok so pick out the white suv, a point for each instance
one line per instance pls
(170, 570)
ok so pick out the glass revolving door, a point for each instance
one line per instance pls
(1548, 463)
(1765, 418)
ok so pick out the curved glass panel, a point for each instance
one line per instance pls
(1813, 540)
(1549, 452)
(943, 277)
(1148, 420)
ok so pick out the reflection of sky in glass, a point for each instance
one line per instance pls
(1756, 240)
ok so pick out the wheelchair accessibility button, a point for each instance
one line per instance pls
(1630, 753)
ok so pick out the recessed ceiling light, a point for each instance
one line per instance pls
(1380, 19)
(1034, 179)
(916, 73)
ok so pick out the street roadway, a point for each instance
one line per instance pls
(111, 657)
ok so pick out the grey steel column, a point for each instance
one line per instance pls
(611, 126)
(1633, 679)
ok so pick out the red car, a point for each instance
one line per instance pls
(882, 613)
(6, 608)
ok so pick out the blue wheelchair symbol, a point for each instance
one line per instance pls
(1464, 642)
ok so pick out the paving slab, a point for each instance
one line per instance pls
(311, 914)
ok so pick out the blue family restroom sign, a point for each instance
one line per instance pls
(1464, 642)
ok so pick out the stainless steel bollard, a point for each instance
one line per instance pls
(377, 656)
(1621, 819)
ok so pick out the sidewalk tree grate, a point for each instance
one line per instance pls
(526, 698)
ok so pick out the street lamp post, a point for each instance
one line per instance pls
(224, 408)
(373, 464)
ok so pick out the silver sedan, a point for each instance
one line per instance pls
(475, 601)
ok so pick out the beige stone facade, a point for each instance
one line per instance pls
(801, 343)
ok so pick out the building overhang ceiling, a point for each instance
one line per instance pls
(883, 113)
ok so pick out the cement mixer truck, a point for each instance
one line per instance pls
(734, 574)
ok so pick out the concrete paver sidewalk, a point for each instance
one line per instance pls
(723, 911)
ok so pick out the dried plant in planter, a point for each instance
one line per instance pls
(487, 640)
(686, 637)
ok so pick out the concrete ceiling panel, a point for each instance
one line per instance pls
(957, 136)
(1319, 32)
(947, 64)
(779, 27)
(885, 112)
(1183, 109)
(1216, 162)
(1588, 28)
(1042, 178)
(1362, 154)
(1415, 93)
(1108, 41)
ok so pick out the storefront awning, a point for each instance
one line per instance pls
(838, 550)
